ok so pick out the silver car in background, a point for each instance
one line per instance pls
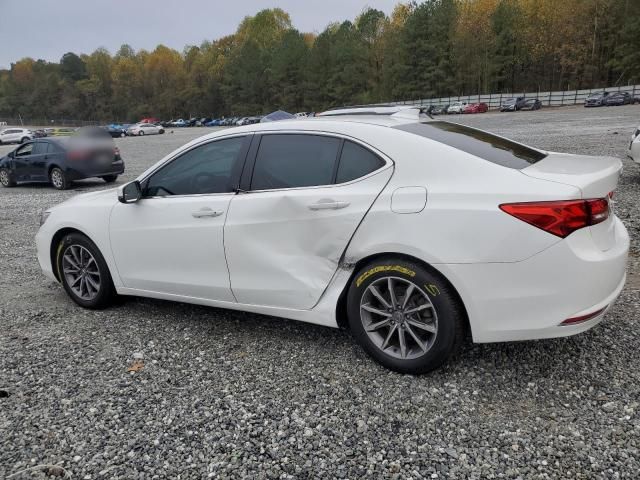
(141, 129)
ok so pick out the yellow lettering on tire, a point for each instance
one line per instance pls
(384, 268)
(432, 289)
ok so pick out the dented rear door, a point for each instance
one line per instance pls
(283, 245)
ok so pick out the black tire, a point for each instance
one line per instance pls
(110, 178)
(141, 133)
(106, 294)
(59, 179)
(6, 178)
(449, 315)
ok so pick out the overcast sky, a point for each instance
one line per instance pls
(47, 29)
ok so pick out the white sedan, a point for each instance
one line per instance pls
(634, 146)
(407, 231)
(142, 129)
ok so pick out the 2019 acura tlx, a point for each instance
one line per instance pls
(409, 231)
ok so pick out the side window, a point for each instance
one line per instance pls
(294, 160)
(39, 148)
(209, 168)
(25, 150)
(356, 162)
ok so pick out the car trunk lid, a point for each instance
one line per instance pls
(596, 177)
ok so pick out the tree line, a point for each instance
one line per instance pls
(421, 50)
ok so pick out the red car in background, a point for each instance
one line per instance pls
(149, 120)
(476, 108)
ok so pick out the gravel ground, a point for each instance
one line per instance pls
(227, 394)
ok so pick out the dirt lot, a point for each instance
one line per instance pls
(226, 394)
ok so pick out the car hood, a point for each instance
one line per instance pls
(100, 196)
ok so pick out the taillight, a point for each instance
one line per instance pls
(562, 217)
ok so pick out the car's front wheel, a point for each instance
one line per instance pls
(405, 316)
(84, 273)
(58, 179)
(6, 178)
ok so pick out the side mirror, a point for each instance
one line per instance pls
(130, 193)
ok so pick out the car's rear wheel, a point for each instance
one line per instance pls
(58, 179)
(110, 178)
(405, 316)
(6, 178)
(84, 273)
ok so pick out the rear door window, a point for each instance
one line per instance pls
(355, 162)
(485, 145)
(294, 160)
(39, 148)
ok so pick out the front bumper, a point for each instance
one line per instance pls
(530, 299)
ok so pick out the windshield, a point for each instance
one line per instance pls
(485, 145)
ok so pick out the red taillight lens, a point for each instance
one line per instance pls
(560, 218)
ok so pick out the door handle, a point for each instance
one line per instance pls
(206, 212)
(328, 205)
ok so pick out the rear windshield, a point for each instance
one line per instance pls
(476, 142)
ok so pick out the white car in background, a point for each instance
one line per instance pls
(410, 232)
(141, 129)
(15, 135)
(634, 146)
(457, 107)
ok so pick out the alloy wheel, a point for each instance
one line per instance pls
(81, 272)
(399, 317)
(56, 178)
(4, 178)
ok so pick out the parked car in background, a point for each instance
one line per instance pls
(617, 98)
(531, 104)
(39, 133)
(116, 131)
(512, 104)
(62, 132)
(180, 123)
(323, 196)
(60, 161)
(142, 129)
(149, 120)
(15, 135)
(476, 108)
(203, 121)
(597, 99)
(634, 146)
(440, 109)
(456, 107)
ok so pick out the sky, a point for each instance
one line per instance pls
(47, 29)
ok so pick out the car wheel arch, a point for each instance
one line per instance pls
(341, 307)
(56, 242)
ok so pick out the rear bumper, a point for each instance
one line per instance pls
(78, 173)
(530, 299)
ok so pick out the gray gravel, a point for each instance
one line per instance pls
(227, 394)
